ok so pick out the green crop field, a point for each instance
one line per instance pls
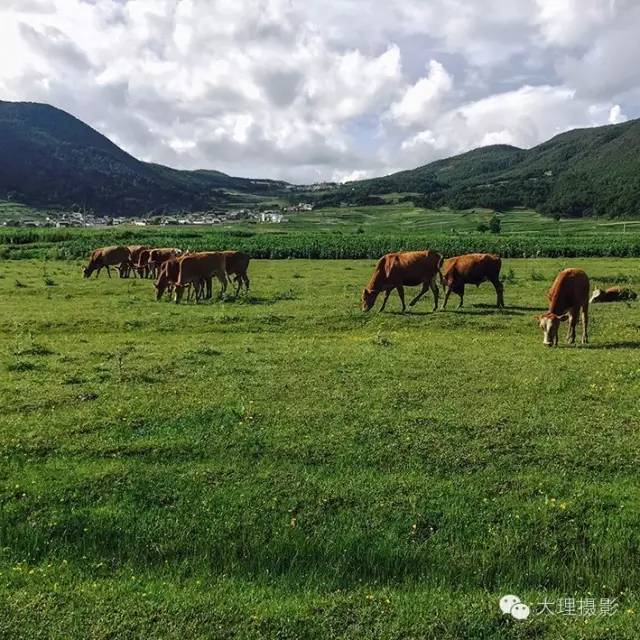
(287, 243)
(285, 466)
(398, 218)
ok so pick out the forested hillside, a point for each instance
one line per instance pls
(584, 172)
(50, 158)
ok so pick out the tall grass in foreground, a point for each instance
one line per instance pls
(286, 466)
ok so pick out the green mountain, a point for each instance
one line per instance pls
(51, 159)
(583, 172)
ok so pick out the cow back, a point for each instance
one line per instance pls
(570, 289)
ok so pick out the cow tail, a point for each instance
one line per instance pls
(439, 269)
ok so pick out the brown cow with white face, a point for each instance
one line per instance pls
(472, 268)
(399, 270)
(613, 294)
(568, 299)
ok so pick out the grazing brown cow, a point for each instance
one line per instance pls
(613, 294)
(167, 276)
(135, 250)
(142, 264)
(107, 257)
(196, 268)
(399, 270)
(237, 263)
(168, 279)
(473, 268)
(158, 256)
(568, 297)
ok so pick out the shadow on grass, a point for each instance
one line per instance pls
(261, 300)
(408, 312)
(489, 311)
(514, 307)
(627, 344)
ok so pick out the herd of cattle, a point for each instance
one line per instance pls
(568, 296)
(176, 271)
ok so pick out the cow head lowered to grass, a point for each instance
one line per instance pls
(568, 300)
(368, 299)
(399, 270)
(550, 325)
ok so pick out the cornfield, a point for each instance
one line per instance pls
(77, 243)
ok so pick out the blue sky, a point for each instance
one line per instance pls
(323, 90)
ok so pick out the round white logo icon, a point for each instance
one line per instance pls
(512, 605)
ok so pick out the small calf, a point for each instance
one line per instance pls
(568, 300)
(613, 294)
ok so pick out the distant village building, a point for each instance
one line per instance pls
(272, 216)
(301, 206)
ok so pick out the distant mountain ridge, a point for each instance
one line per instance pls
(50, 158)
(582, 172)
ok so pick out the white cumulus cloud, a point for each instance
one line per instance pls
(323, 89)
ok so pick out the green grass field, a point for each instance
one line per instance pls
(285, 466)
(393, 218)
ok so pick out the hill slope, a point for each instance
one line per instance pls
(51, 158)
(593, 171)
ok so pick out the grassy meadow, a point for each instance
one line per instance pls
(285, 466)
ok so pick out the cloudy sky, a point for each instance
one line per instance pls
(310, 90)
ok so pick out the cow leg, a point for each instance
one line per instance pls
(499, 293)
(585, 324)
(425, 288)
(436, 293)
(239, 284)
(387, 293)
(246, 282)
(446, 297)
(179, 293)
(223, 281)
(400, 290)
(461, 294)
(108, 270)
(574, 316)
